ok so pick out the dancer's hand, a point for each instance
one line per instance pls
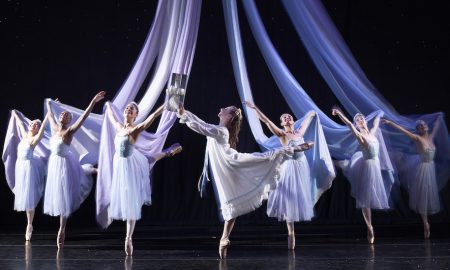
(100, 95)
(181, 110)
(336, 110)
(385, 121)
(249, 104)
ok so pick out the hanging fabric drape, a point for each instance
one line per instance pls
(351, 86)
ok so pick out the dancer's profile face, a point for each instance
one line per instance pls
(360, 121)
(286, 119)
(131, 111)
(33, 127)
(422, 127)
(65, 117)
(226, 112)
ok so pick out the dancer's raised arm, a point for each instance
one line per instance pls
(73, 128)
(408, 133)
(112, 117)
(376, 124)
(355, 132)
(436, 126)
(21, 124)
(149, 120)
(306, 122)
(38, 136)
(51, 117)
(272, 127)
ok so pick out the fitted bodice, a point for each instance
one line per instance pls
(293, 143)
(123, 146)
(24, 150)
(372, 150)
(58, 147)
(428, 155)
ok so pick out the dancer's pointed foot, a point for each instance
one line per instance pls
(370, 235)
(223, 246)
(291, 241)
(28, 232)
(128, 246)
(60, 239)
(426, 230)
(173, 150)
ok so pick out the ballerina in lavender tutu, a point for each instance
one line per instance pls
(130, 185)
(420, 172)
(364, 170)
(29, 170)
(292, 200)
(68, 184)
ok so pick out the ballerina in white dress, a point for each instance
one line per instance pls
(130, 185)
(29, 171)
(292, 200)
(364, 170)
(241, 180)
(420, 172)
(67, 184)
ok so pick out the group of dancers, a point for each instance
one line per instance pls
(241, 181)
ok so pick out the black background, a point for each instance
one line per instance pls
(72, 49)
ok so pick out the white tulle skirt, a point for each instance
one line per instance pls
(29, 186)
(291, 200)
(130, 187)
(422, 186)
(68, 185)
(367, 182)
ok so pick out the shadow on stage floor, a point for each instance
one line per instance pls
(252, 247)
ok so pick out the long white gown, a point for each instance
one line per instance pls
(68, 184)
(130, 186)
(292, 200)
(364, 173)
(30, 178)
(422, 185)
(242, 180)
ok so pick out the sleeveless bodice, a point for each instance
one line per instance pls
(124, 148)
(58, 147)
(24, 150)
(428, 155)
(372, 149)
(293, 143)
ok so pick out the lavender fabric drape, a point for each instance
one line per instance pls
(351, 86)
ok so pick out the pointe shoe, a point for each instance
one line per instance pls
(426, 230)
(223, 246)
(370, 235)
(128, 246)
(60, 239)
(28, 232)
(291, 241)
(173, 150)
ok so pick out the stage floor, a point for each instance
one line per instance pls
(252, 247)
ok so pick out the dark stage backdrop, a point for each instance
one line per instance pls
(72, 49)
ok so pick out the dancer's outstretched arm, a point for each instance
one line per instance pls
(38, 135)
(73, 128)
(21, 124)
(51, 117)
(198, 125)
(149, 120)
(306, 123)
(436, 126)
(408, 133)
(376, 124)
(112, 117)
(355, 132)
(272, 127)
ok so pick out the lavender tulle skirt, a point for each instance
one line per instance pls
(29, 185)
(367, 184)
(291, 200)
(68, 185)
(130, 187)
